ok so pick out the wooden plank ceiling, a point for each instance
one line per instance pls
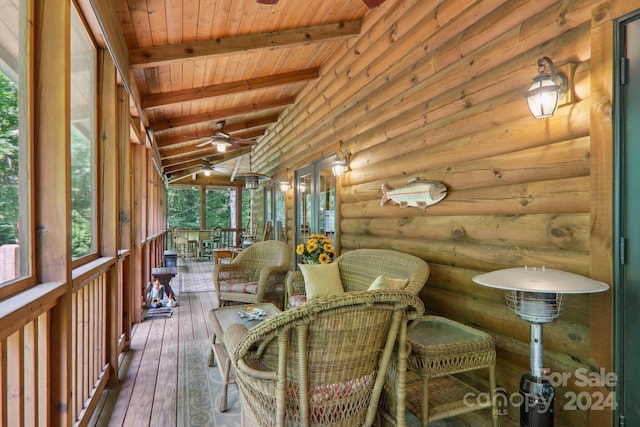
(200, 63)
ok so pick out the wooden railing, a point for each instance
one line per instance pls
(61, 342)
(89, 361)
(25, 340)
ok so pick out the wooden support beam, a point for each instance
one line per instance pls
(175, 165)
(168, 54)
(216, 115)
(162, 99)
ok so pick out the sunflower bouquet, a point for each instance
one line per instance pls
(317, 250)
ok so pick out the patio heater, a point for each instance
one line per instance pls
(535, 294)
(251, 180)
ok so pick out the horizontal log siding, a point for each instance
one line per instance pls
(436, 91)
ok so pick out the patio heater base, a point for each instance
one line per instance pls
(536, 408)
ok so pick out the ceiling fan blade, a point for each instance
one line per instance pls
(244, 141)
(202, 144)
(373, 3)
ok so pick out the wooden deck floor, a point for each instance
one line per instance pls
(147, 390)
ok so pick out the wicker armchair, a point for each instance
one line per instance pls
(323, 363)
(360, 267)
(255, 275)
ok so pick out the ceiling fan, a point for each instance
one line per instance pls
(207, 168)
(223, 141)
(370, 3)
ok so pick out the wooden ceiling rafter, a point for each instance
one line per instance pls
(212, 116)
(172, 53)
(240, 62)
(175, 165)
(212, 91)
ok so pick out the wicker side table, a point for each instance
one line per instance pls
(220, 319)
(439, 348)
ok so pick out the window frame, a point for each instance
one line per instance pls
(95, 250)
(25, 73)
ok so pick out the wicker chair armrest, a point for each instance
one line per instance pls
(231, 272)
(295, 283)
(267, 272)
(219, 268)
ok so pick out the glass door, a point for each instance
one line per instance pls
(315, 196)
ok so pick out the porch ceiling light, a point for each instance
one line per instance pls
(547, 89)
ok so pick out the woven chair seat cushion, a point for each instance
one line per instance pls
(297, 300)
(242, 287)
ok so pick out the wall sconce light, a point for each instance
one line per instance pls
(339, 165)
(546, 90)
(285, 185)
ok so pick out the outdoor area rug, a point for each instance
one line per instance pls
(199, 388)
(195, 276)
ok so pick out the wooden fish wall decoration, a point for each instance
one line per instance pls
(416, 193)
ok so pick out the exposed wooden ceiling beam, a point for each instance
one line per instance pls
(183, 180)
(154, 56)
(162, 99)
(214, 116)
(173, 166)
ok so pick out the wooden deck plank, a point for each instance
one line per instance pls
(185, 328)
(166, 391)
(139, 411)
(198, 317)
(127, 376)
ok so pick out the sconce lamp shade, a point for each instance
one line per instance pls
(284, 185)
(546, 91)
(338, 167)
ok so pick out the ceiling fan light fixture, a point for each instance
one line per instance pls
(221, 147)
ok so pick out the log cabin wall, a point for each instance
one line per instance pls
(435, 90)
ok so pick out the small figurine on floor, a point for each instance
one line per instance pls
(156, 295)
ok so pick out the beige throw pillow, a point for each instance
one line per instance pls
(383, 282)
(321, 279)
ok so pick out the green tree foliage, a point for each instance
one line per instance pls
(82, 184)
(183, 208)
(9, 205)
(218, 208)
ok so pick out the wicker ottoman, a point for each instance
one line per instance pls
(439, 348)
